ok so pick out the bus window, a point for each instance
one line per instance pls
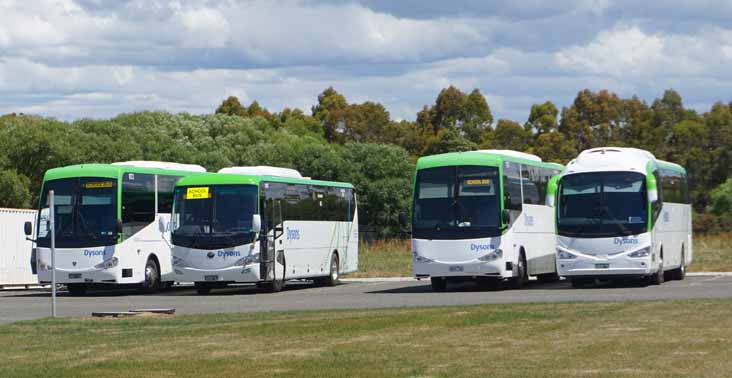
(512, 188)
(138, 202)
(166, 184)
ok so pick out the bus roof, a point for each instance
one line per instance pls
(494, 158)
(605, 159)
(233, 179)
(107, 171)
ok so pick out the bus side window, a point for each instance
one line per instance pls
(512, 188)
(656, 209)
(166, 185)
(534, 188)
(138, 202)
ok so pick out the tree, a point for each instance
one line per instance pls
(448, 108)
(543, 118)
(367, 122)
(15, 190)
(476, 116)
(331, 112)
(232, 106)
(509, 135)
(720, 199)
(448, 140)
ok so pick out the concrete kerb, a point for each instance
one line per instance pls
(410, 279)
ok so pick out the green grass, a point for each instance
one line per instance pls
(651, 339)
(393, 258)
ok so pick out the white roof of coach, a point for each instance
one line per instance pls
(610, 159)
(262, 170)
(162, 165)
(517, 154)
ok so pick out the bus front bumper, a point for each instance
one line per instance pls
(248, 273)
(595, 266)
(475, 268)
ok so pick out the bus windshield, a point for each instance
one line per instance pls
(458, 202)
(602, 204)
(212, 217)
(85, 212)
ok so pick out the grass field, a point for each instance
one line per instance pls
(393, 258)
(651, 339)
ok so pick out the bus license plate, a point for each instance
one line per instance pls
(456, 268)
(211, 278)
(602, 266)
(74, 276)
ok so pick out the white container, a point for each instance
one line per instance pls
(15, 251)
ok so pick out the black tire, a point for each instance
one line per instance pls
(581, 282)
(658, 277)
(438, 283)
(522, 275)
(202, 288)
(334, 272)
(152, 277)
(278, 283)
(680, 272)
(548, 277)
(76, 289)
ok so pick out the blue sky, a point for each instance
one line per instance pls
(91, 58)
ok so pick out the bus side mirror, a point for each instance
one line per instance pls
(118, 227)
(506, 217)
(403, 218)
(256, 223)
(652, 195)
(28, 228)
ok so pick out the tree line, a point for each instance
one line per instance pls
(362, 144)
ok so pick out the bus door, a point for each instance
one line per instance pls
(271, 249)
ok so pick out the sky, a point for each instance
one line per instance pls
(73, 59)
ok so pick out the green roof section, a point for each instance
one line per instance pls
(477, 158)
(107, 171)
(671, 166)
(234, 179)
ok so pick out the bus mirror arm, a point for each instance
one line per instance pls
(118, 227)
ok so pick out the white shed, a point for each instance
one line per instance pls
(15, 251)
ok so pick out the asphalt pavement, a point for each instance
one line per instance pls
(18, 305)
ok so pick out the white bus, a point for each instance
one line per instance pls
(262, 225)
(109, 224)
(622, 213)
(483, 215)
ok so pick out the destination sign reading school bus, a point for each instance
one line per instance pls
(484, 181)
(98, 185)
(197, 193)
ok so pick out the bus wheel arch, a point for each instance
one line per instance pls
(521, 269)
(334, 269)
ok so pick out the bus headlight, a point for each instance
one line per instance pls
(495, 255)
(107, 264)
(563, 255)
(645, 252)
(419, 258)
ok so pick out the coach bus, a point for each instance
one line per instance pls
(110, 224)
(262, 225)
(483, 215)
(622, 213)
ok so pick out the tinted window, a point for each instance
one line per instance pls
(512, 189)
(138, 202)
(531, 181)
(166, 185)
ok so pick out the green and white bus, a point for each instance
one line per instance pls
(483, 215)
(622, 213)
(110, 224)
(262, 225)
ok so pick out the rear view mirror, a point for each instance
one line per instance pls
(403, 218)
(652, 195)
(118, 227)
(505, 217)
(161, 225)
(28, 228)
(256, 223)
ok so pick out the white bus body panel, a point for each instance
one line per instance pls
(15, 250)
(307, 246)
(614, 251)
(532, 231)
(80, 263)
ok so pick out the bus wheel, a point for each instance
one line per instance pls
(522, 275)
(76, 289)
(202, 288)
(152, 277)
(657, 278)
(438, 283)
(680, 272)
(581, 282)
(334, 277)
(278, 283)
